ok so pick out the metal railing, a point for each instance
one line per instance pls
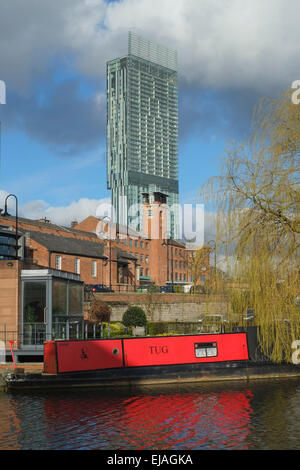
(33, 335)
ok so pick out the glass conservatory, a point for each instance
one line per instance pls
(52, 307)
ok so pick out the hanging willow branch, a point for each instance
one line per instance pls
(258, 223)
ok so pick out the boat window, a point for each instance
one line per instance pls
(206, 349)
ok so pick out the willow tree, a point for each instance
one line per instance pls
(257, 198)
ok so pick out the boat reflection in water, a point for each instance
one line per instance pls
(254, 415)
(179, 420)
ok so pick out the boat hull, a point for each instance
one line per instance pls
(152, 375)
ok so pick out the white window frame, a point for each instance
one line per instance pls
(58, 262)
(77, 265)
(94, 268)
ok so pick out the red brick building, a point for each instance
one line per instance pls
(113, 255)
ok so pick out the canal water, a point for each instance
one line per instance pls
(257, 415)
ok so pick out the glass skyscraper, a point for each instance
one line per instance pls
(142, 130)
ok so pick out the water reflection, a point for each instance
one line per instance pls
(217, 416)
(187, 420)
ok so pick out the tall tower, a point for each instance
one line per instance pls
(142, 131)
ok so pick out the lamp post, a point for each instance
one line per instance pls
(166, 243)
(109, 223)
(17, 218)
(212, 244)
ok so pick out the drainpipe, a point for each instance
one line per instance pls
(49, 262)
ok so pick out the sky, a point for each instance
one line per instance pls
(53, 56)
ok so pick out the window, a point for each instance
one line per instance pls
(77, 265)
(141, 258)
(34, 301)
(130, 242)
(94, 268)
(206, 349)
(59, 298)
(142, 245)
(141, 272)
(75, 298)
(147, 245)
(136, 243)
(147, 272)
(147, 259)
(57, 262)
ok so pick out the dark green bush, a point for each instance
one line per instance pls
(134, 316)
(158, 328)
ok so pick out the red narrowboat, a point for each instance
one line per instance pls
(150, 360)
(143, 352)
(142, 360)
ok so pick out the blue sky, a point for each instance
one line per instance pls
(52, 59)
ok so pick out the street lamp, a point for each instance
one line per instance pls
(109, 224)
(212, 244)
(17, 218)
(166, 243)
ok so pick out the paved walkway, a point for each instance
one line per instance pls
(27, 366)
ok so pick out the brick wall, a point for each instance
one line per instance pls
(164, 307)
(155, 259)
(10, 287)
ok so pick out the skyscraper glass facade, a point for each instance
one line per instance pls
(142, 130)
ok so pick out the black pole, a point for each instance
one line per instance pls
(167, 259)
(17, 219)
(109, 224)
(110, 261)
(172, 274)
(212, 244)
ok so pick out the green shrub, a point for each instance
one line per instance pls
(134, 316)
(158, 328)
(115, 329)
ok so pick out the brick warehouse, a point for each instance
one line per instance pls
(130, 259)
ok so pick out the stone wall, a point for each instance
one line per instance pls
(164, 307)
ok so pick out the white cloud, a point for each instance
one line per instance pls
(221, 43)
(61, 215)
